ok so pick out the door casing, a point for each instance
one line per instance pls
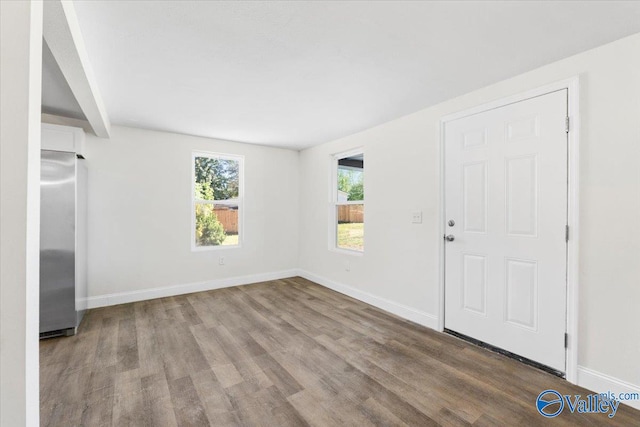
(573, 87)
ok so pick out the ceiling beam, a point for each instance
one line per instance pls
(62, 33)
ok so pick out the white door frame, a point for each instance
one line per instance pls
(573, 87)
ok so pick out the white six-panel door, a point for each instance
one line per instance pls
(506, 192)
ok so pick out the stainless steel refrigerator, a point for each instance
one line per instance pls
(63, 242)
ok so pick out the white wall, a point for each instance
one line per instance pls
(399, 269)
(140, 216)
(20, 86)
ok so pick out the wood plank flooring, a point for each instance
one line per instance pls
(280, 353)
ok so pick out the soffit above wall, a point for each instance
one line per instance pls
(57, 98)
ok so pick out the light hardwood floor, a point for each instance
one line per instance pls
(286, 352)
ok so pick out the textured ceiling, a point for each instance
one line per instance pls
(295, 74)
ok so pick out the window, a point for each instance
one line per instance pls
(348, 201)
(217, 200)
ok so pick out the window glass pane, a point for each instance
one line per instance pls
(216, 179)
(351, 178)
(216, 224)
(350, 232)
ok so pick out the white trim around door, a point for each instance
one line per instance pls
(573, 87)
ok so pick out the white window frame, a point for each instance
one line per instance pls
(333, 202)
(239, 201)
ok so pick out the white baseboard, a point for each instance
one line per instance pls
(601, 383)
(173, 290)
(406, 312)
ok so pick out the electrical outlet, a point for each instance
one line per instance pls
(221, 260)
(416, 217)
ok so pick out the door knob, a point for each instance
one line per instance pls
(450, 238)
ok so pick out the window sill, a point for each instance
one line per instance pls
(347, 251)
(214, 248)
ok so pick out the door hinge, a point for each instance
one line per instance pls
(566, 124)
(566, 340)
(566, 233)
